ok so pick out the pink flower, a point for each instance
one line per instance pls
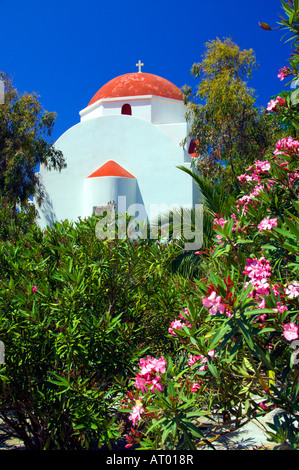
(257, 189)
(219, 237)
(280, 308)
(195, 387)
(292, 290)
(155, 384)
(200, 358)
(293, 178)
(150, 364)
(204, 360)
(193, 359)
(219, 221)
(261, 318)
(272, 105)
(287, 146)
(177, 325)
(136, 413)
(34, 289)
(213, 302)
(284, 72)
(245, 178)
(257, 269)
(261, 305)
(261, 166)
(141, 383)
(148, 377)
(267, 224)
(186, 314)
(290, 331)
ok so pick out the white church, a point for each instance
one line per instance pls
(126, 147)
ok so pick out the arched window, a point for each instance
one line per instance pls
(126, 109)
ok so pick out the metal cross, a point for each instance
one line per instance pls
(139, 65)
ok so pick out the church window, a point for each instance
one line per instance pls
(126, 109)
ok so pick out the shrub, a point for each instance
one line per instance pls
(76, 314)
(237, 348)
(237, 354)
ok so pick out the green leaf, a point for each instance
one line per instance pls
(246, 333)
(220, 332)
(212, 367)
(283, 232)
(258, 311)
(269, 247)
(234, 350)
(293, 228)
(291, 18)
(170, 387)
(167, 430)
(286, 8)
(193, 429)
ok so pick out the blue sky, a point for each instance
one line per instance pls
(65, 50)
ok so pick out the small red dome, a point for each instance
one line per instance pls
(138, 84)
(111, 168)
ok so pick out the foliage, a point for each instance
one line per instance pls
(24, 131)
(237, 354)
(15, 223)
(235, 350)
(227, 128)
(76, 314)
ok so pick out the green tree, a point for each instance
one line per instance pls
(227, 127)
(25, 128)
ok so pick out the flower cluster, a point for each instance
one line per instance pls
(284, 72)
(287, 146)
(275, 105)
(219, 221)
(292, 290)
(214, 303)
(290, 331)
(192, 387)
(267, 224)
(258, 270)
(136, 412)
(132, 439)
(260, 167)
(244, 201)
(179, 324)
(202, 359)
(149, 378)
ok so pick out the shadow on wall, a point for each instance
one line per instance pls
(47, 210)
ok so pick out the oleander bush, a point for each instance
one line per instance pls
(76, 315)
(237, 354)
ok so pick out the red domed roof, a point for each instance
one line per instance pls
(138, 84)
(111, 168)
